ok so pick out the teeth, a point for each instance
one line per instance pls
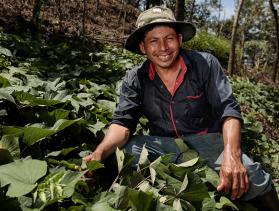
(164, 57)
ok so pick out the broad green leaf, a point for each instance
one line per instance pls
(94, 165)
(11, 143)
(107, 104)
(5, 52)
(124, 161)
(189, 163)
(211, 176)
(187, 153)
(35, 134)
(152, 174)
(6, 96)
(225, 202)
(4, 82)
(98, 126)
(101, 206)
(208, 204)
(177, 205)
(58, 185)
(143, 156)
(120, 159)
(10, 130)
(29, 99)
(62, 152)
(136, 199)
(184, 184)
(21, 176)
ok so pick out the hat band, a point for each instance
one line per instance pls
(154, 21)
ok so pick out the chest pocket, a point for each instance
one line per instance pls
(197, 105)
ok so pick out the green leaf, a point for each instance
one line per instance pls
(208, 204)
(98, 126)
(189, 163)
(225, 202)
(138, 197)
(63, 152)
(21, 176)
(177, 205)
(124, 161)
(143, 156)
(94, 165)
(6, 96)
(29, 99)
(4, 82)
(211, 176)
(35, 134)
(120, 159)
(11, 143)
(184, 184)
(5, 52)
(58, 185)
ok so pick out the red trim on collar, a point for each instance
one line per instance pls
(152, 72)
(181, 76)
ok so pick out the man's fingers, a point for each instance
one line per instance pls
(235, 186)
(247, 184)
(225, 182)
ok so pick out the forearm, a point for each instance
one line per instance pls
(117, 136)
(232, 137)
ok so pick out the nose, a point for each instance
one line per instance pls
(164, 45)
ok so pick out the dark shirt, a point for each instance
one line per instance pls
(201, 101)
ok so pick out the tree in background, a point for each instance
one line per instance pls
(275, 64)
(179, 10)
(231, 63)
(36, 14)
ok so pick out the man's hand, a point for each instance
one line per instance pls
(233, 176)
(93, 156)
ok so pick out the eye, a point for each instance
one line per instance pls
(170, 38)
(153, 41)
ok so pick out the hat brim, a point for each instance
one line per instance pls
(187, 30)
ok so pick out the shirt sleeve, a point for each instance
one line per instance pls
(219, 92)
(128, 110)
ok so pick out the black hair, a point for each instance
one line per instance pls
(151, 27)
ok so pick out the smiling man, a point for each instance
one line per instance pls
(183, 94)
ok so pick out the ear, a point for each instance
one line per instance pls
(141, 47)
(180, 39)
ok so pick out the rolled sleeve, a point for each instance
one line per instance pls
(128, 110)
(220, 94)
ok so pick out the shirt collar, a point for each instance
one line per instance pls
(152, 72)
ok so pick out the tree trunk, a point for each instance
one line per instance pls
(242, 43)
(36, 14)
(219, 16)
(179, 10)
(232, 60)
(147, 4)
(83, 31)
(192, 10)
(275, 64)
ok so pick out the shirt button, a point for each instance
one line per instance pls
(162, 86)
(172, 102)
(177, 121)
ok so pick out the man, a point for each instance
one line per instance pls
(183, 94)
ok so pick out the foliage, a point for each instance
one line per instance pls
(56, 99)
(256, 50)
(206, 42)
(263, 102)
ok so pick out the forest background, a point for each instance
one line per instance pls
(61, 64)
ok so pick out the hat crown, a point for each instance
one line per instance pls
(155, 14)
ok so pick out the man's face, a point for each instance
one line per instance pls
(161, 45)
